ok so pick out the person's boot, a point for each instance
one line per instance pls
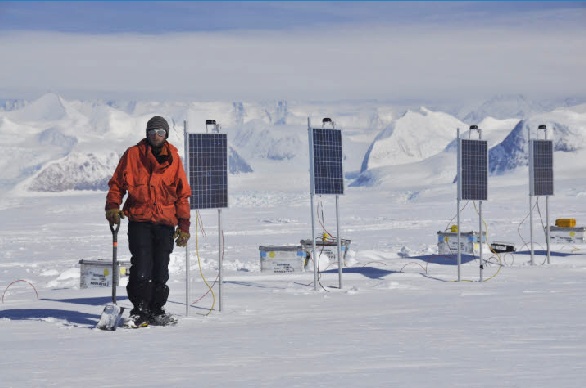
(138, 318)
(159, 317)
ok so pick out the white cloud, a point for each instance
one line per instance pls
(431, 62)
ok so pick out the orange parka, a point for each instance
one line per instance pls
(157, 192)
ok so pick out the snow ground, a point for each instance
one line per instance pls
(400, 318)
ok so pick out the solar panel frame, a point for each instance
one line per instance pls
(208, 170)
(328, 174)
(541, 167)
(473, 170)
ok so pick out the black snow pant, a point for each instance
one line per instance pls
(150, 245)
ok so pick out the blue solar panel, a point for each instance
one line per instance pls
(474, 174)
(541, 167)
(208, 170)
(327, 161)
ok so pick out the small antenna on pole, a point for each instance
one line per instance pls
(474, 128)
(327, 120)
(215, 128)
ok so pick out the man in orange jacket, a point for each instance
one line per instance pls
(152, 174)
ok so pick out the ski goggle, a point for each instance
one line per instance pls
(160, 132)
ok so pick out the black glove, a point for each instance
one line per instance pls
(114, 215)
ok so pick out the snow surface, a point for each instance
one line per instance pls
(399, 319)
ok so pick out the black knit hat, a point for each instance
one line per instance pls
(158, 122)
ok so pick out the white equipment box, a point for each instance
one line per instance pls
(282, 259)
(98, 273)
(447, 243)
(567, 235)
(329, 247)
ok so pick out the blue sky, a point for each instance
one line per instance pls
(150, 17)
(302, 50)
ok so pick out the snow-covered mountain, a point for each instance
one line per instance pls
(421, 145)
(505, 107)
(53, 144)
(567, 129)
(413, 137)
(76, 172)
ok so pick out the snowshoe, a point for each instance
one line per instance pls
(162, 318)
(136, 320)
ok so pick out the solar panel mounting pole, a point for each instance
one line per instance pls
(547, 236)
(540, 180)
(338, 238)
(327, 177)
(459, 197)
(216, 129)
(472, 182)
(531, 184)
(339, 242)
(209, 181)
(220, 259)
(480, 216)
(187, 266)
(311, 195)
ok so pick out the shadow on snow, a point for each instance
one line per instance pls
(74, 317)
(369, 272)
(94, 301)
(543, 252)
(444, 259)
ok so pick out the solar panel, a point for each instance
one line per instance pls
(327, 161)
(541, 167)
(474, 173)
(208, 170)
